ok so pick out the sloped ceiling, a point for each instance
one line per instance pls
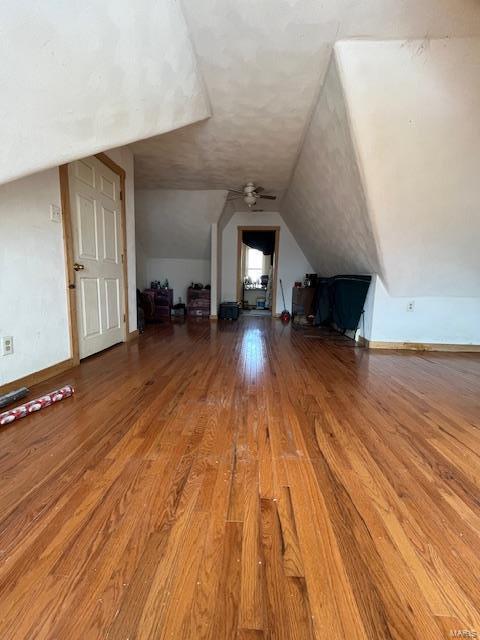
(387, 179)
(263, 64)
(176, 224)
(415, 115)
(325, 206)
(78, 78)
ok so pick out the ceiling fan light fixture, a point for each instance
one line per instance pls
(250, 194)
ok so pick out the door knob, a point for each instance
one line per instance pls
(78, 267)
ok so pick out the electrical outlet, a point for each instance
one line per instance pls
(411, 305)
(55, 213)
(6, 345)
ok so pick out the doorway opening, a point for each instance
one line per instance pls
(257, 269)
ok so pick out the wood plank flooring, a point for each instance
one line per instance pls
(245, 481)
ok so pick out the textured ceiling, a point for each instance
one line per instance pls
(263, 64)
(325, 206)
(423, 199)
(79, 78)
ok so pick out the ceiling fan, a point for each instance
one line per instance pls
(250, 194)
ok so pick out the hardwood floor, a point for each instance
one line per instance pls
(245, 481)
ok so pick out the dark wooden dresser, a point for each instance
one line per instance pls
(198, 302)
(302, 301)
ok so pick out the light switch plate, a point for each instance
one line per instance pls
(55, 213)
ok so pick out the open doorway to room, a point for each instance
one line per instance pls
(257, 262)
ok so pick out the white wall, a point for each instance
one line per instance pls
(174, 237)
(226, 216)
(141, 259)
(33, 302)
(433, 319)
(214, 270)
(175, 223)
(292, 263)
(415, 112)
(325, 205)
(181, 272)
(82, 78)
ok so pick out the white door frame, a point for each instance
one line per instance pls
(240, 230)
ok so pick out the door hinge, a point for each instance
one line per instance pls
(124, 318)
(121, 194)
(123, 259)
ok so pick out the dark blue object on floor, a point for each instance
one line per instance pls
(229, 311)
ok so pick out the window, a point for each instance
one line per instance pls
(254, 264)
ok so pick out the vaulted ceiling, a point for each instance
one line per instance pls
(79, 78)
(263, 64)
(387, 180)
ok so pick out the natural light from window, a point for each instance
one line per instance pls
(254, 264)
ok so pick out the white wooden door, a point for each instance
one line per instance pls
(95, 200)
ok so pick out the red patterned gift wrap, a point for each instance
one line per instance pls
(35, 405)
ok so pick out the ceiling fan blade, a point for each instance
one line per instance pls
(259, 189)
(234, 198)
(268, 197)
(235, 191)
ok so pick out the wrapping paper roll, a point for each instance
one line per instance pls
(35, 405)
